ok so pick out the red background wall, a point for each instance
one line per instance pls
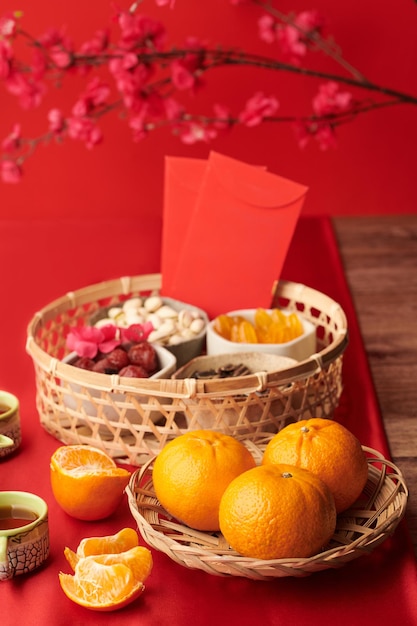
(371, 171)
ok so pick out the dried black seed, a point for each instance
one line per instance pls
(225, 371)
(205, 374)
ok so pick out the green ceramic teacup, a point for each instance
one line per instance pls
(10, 432)
(24, 533)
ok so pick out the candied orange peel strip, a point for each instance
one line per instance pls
(268, 327)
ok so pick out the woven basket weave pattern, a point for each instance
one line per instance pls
(359, 531)
(132, 419)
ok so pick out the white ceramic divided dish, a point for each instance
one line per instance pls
(168, 365)
(299, 349)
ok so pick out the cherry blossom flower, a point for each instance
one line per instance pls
(183, 77)
(6, 56)
(84, 129)
(294, 39)
(29, 92)
(257, 109)
(39, 67)
(56, 121)
(138, 125)
(138, 31)
(174, 111)
(330, 100)
(267, 28)
(186, 71)
(136, 333)
(57, 47)
(10, 171)
(94, 96)
(97, 44)
(88, 340)
(329, 103)
(222, 115)
(12, 141)
(322, 132)
(8, 24)
(130, 81)
(191, 133)
(61, 57)
(325, 136)
(163, 3)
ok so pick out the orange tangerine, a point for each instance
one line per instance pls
(277, 511)
(86, 482)
(192, 471)
(326, 448)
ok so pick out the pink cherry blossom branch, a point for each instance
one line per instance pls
(148, 78)
(313, 36)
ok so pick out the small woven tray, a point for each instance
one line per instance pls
(359, 530)
(132, 419)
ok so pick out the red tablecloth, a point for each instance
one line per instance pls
(42, 260)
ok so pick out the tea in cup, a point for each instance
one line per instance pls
(24, 533)
(10, 433)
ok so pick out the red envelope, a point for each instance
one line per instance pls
(237, 237)
(182, 181)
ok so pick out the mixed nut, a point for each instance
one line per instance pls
(170, 327)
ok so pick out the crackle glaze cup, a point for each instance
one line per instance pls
(24, 533)
(10, 433)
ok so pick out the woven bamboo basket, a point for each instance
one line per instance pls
(132, 419)
(369, 522)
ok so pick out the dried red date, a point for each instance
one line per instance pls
(84, 363)
(118, 358)
(134, 371)
(143, 354)
(139, 361)
(103, 366)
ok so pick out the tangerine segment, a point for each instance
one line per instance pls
(110, 544)
(277, 511)
(326, 448)
(101, 587)
(137, 559)
(122, 541)
(86, 482)
(192, 471)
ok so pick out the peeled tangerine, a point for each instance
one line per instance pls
(86, 482)
(109, 571)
